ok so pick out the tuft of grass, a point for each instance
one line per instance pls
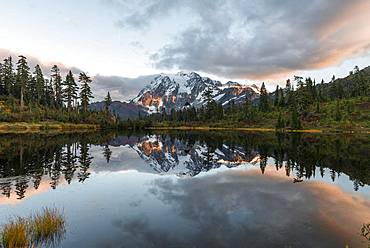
(45, 228)
(48, 226)
(15, 234)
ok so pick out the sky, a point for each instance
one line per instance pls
(121, 43)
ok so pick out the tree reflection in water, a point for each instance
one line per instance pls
(28, 159)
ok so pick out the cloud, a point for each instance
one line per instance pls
(120, 88)
(256, 39)
(239, 207)
(33, 61)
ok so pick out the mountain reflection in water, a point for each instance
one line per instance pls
(27, 160)
(191, 189)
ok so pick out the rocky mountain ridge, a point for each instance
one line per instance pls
(176, 91)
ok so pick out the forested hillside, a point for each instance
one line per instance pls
(27, 95)
(302, 104)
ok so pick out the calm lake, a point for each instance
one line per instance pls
(192, 189)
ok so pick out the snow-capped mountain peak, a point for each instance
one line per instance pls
(175, 91)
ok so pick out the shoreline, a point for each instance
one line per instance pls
(26, 127)
(257, 129)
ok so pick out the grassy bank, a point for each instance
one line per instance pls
(25, 127)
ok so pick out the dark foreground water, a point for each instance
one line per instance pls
(192, 189)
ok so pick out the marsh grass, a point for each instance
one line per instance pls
(45, 228)
(15, 234)
(48, 227)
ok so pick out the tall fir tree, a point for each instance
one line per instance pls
(57, 86)
(31, 96)
(303, 95)
(281, 98)
(208, 96)
(23, 77)
(85, 93)
(39, 85)
(49, 94)
(8, 76)
(264, 99)
(108, 102)
(70, 90)
(287, 91)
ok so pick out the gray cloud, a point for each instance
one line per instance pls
(235, 208)
(120, 88)
(254, 39)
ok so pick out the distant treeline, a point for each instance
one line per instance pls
(304, 103)
(27, 95)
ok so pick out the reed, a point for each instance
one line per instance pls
(48, 226)
(15, 234)
(44, 228)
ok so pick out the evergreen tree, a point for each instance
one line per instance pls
(107, 153)
(303, 95)
(108, 102)
(31, 96)
(322, 92)
(361, 84)
(23, 77)
(49, 93)
(299, 82)
(57, 85)
(314, 90)
(39, 85)
(264, 99)
(288, 90)
(85, 161)
(85, 94)
(208, 96)
(8, 76)
(69, 90)
(281, 98)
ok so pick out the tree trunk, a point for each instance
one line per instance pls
(22, 102)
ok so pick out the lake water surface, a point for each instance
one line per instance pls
(192, 189)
